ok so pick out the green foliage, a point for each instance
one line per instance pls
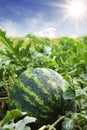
(9, 123)
(68, 57)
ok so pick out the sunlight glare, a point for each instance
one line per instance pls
(77, 8)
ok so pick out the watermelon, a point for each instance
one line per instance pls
(39, 92)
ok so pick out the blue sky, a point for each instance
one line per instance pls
(40, 17)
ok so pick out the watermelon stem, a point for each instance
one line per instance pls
(58, 120)
(43, 127)
(51, 127)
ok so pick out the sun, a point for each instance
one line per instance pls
(73, 9)
(76, 8)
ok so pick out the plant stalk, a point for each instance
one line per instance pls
(51, 127)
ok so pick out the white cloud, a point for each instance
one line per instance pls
(73, 36)
(11, 28)
(47, 32)
(36, 25)
(36, 22)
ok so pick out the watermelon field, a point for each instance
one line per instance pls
(43, 83)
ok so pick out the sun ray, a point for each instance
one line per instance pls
(76, 10)
(63, 19)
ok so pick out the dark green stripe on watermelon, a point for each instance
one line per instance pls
(39, 91)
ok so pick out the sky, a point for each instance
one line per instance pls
(45, 18)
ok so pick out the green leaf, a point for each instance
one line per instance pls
(1, 128)
(80, 93)
(6, 41)
(2, 83)
(68, 78)
(27, 128)
(11, 115)
(84, 76)
(9, 126)
(20, 125)
(69, 94)
(18, 44)
(68, 124)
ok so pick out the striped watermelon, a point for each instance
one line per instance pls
(39, 91)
